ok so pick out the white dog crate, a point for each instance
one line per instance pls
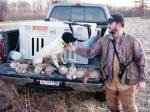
(33, 36)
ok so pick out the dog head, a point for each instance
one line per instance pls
(68, 37)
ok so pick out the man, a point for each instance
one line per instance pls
(123, 64)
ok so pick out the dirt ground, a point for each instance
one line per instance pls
(141, 28)
(85, 101)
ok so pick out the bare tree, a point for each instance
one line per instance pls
(3, 9)
(56, 1)
(23, 6)
(13, 7)
(37, 9)
(142, 6)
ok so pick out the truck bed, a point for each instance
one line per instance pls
(6, 70)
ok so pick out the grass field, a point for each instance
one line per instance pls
(82, 101)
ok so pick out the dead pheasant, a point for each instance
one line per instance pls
(91, 73)
(63, 70)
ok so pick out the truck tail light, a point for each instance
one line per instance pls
(78, 4)
(4, 46)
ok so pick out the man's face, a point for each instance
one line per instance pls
(112, 27)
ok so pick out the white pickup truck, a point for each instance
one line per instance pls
(86, 21)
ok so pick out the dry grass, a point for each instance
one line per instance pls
(23, 100)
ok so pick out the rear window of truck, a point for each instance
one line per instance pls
(78, 14)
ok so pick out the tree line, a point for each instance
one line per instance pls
(23, 10)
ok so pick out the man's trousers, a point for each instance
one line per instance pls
(127, 97)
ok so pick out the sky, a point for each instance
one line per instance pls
(117, 3)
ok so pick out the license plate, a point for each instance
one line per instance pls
(46, 82)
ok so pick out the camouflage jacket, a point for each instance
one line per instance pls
(128, 49)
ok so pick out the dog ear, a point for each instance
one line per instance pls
(68, 37)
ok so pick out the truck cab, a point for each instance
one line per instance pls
(78, 12)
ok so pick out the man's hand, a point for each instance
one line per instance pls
(70, 47)
(140, 86)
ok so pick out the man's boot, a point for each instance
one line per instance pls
(115, 111)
